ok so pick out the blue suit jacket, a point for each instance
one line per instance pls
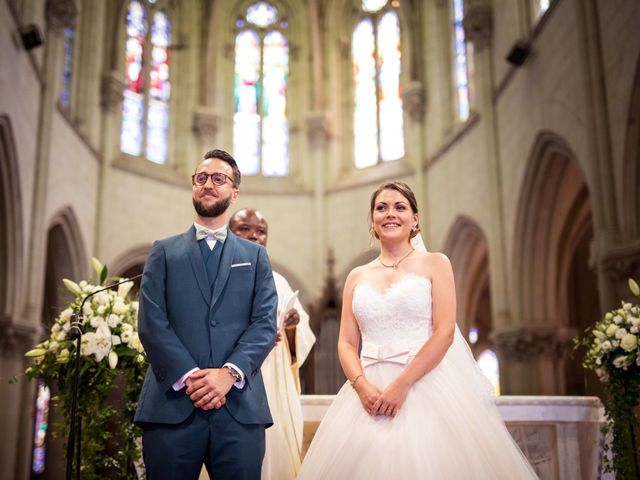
(182, 325)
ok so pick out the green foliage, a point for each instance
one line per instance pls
(613, 352)
(112, 371)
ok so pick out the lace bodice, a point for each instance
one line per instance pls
(402, 313)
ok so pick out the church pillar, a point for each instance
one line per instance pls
(413, 102)
(532, 358)
(614, 262)
(111, 92)
(318, 141)
(16, 401)
(21, 333)
(478, 26)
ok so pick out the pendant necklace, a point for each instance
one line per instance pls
(395, 264)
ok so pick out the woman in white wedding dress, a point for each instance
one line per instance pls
(415, 405)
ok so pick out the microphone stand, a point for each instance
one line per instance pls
(75, 332)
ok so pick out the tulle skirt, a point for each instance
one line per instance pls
(448, 429)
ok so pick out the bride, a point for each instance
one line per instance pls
(416, 405)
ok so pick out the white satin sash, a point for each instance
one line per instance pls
(395, 352)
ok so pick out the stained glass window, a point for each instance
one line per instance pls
(378, 112)
(473, 335)
(540, 6)
(461, 64)
(260, 125)
(159, 90)
(488, 363)
(40, 429)
(373, 5)
(145, 105)
(67, 65)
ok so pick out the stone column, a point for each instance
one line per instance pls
(318, 140)
(16, 401)
(533, 359)
(478, 26)
(613, 260)
(413, 102)
(20, 333)
(111, 91)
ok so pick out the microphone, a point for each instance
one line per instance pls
(75, 333)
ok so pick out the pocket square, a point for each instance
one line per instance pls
(245, 264)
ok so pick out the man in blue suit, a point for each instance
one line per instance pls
(207, 321)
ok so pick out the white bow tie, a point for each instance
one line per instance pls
(203, 232)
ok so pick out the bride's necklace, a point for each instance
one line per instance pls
(395, 264)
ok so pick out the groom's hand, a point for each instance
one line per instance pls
(208, 387)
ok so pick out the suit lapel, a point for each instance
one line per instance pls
(197, 263)
(224, 269)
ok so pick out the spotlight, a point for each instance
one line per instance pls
(519, 53)
(31, 36)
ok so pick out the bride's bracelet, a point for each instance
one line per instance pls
(353, 384)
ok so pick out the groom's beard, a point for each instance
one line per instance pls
(214, 210)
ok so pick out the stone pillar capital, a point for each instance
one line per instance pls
(205, 124)
(17, 338)
(318, 133)
(61, 14)
(528, 344)
(111, 88)
(478, 23)
(414, 101)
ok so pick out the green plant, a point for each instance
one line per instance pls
(613, 352)
(113, 364)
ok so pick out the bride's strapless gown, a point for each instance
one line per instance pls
(448, 427)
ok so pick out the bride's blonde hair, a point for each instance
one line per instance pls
(406, 192)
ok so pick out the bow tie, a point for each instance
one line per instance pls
(203, 232)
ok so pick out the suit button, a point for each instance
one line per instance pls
(213, 323)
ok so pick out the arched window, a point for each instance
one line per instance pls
(145, 104)
(488, 363)
(462, 62)
(67, 68)
(378, 121)
(260, 125)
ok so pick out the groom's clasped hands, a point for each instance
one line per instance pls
(207, 388)
(387, 402)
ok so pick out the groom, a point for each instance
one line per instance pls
(207, 321)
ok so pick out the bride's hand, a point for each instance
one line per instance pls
(368, 394)
(393, 397)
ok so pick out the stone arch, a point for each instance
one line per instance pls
(631, 167)
(132, 259)
(130, 264)
(556, 287)
(65, 258)
(11, 236)
(467, 248)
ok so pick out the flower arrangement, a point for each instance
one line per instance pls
(112, 359)
(613, 353)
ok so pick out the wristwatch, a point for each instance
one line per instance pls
(234, 373)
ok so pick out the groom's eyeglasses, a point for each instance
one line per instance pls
(217, 178)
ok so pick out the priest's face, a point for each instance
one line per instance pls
(251, 225)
